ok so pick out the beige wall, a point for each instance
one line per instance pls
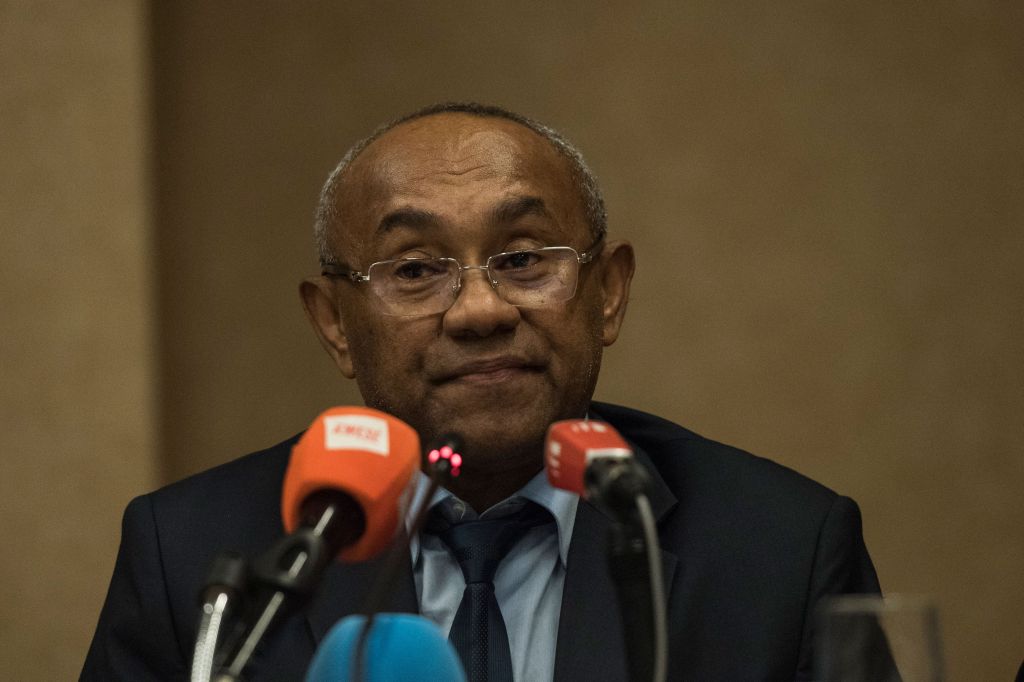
(826, 201)
(77, 379)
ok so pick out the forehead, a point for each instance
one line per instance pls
(456, 165)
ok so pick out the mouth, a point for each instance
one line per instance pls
(490, 371)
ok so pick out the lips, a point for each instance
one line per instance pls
(489, 370)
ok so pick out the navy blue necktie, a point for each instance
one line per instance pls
(478, 632)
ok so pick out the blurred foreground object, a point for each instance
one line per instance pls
(874, 639)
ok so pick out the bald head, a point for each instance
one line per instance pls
(331, 214)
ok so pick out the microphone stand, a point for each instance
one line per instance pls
(221, 596)
(627, 563)
(289, 571)
(634, 562)
(443, 464)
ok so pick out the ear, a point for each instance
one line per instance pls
(617, 266)
(324, 313)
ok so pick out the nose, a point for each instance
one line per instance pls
(478, 310)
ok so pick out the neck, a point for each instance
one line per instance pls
(483, 489)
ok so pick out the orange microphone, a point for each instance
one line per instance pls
(348, 482)
(355, 464)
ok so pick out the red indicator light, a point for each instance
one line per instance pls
(448, 454)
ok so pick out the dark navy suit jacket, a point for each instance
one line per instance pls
(748, 549)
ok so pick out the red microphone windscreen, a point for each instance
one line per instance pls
(364, 453)
(573, 444)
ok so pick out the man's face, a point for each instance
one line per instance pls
(465, 187)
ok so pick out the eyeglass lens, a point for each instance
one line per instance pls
(423, 286)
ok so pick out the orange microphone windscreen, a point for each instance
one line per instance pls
(366, 454)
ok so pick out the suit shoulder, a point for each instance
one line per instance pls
(250, 473)
(691, 462)
(235, 504)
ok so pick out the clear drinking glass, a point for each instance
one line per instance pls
(864, 638)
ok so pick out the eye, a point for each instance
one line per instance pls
(410, 269)
(417, 270)
(518, 260)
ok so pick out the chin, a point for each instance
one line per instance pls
(509, 437)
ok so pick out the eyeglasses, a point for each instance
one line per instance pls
(532, 278)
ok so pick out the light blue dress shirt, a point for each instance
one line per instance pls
(528, 584)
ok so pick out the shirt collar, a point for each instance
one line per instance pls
(561, 503)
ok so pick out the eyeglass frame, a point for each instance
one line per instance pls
(357, 277)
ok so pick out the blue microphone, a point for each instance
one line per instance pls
(400, 647)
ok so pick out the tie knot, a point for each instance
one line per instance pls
(480, 545)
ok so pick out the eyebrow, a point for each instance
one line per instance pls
(407, 217)
(515, 208)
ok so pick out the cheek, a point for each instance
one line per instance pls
(576, 343)
(386, 354)
(378, 370)
(587, 363)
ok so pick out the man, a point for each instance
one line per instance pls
(427, 232)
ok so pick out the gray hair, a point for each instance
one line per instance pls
(582, 177)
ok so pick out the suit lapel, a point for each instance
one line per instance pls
(345, 588)
(590, 639)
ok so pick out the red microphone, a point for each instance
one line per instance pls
(591, 459)
(361, 461)
(573, 445)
